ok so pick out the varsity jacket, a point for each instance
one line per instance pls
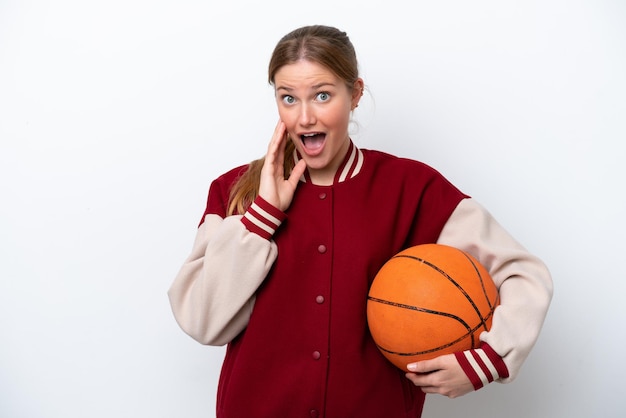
(287, 291)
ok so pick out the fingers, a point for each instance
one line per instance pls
(276, 147)
(273, 165)
(273, 187)
(420, 374)
(424, 366)
(440, 375)
(279, 134)
(296, 173)
(442, 383)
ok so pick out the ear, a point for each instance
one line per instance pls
(357, 92)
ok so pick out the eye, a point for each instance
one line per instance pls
(323, 96)
(288, 99)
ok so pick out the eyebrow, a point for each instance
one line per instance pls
(313, 87)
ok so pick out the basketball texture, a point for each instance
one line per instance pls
(427, 301)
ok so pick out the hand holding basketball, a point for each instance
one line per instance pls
(442, 375)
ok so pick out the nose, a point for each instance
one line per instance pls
(307, 115)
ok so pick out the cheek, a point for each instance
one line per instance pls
(287, 117)
(290, 122)
(338, 119)
(340, 113)
(283, 113)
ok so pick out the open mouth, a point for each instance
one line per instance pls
(313, 141)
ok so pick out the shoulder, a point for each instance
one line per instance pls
(231, 175)
(380, 160)
(219, 191)
(408, 173)
(225, 181)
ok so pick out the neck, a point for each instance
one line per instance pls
(347, 168)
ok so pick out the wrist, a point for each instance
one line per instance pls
(482, 365)
(263, 218)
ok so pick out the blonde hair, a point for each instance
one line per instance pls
(324, 45)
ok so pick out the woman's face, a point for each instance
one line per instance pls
(315, 106)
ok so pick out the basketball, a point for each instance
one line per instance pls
(427, 301)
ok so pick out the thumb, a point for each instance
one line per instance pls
(424, 366)
(296, 173)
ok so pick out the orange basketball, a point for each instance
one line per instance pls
(427, 301)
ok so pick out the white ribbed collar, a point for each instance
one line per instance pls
(349, 168)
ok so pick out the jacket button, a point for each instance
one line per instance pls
(316, 355)
(314, 413)
(319, 299)
(322, 196)
(321, 248)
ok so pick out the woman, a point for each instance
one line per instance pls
(289, 245)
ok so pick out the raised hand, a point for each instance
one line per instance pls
(274, 188)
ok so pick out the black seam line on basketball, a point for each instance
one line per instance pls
(482, 285)
(432, 350)
(417, 308)
(480, 277)
(454, 282)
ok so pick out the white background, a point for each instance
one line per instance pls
(116, 115)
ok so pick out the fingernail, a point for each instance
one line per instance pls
(412, 367)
